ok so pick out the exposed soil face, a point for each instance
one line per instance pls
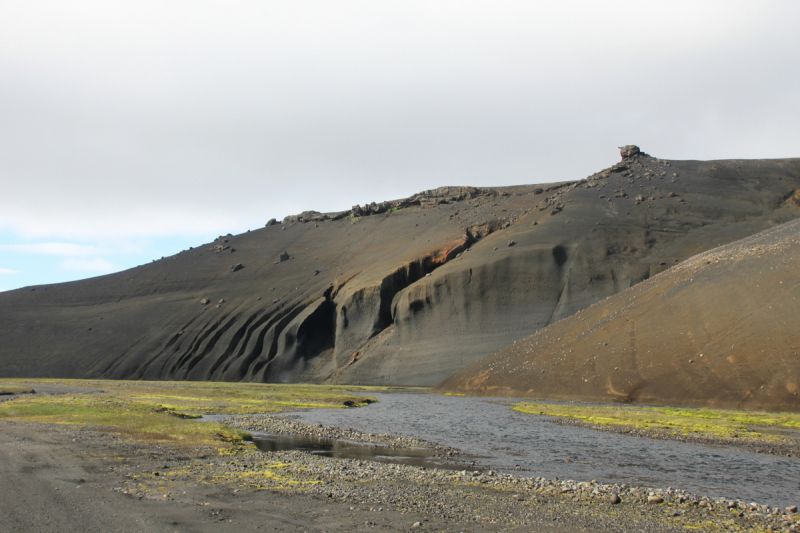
(405, 292)
(721, 329)
(71, 479)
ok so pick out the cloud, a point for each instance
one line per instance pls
(97, 264)
(8, 271)
(226, 116)
(55, 248)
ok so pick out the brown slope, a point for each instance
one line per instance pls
(391, 284)
(720, 329)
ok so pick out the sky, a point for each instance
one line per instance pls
(130, 130)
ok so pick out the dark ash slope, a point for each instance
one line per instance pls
(720, 329)
(418, 288)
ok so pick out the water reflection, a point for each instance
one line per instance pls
(340, 449)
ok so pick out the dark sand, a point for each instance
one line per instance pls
(63, 479)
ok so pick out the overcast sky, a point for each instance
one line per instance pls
(131, 130)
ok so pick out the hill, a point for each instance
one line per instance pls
(404, 292)
(720, 329)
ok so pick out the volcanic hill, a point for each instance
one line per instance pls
(720, 329)
(404, 292)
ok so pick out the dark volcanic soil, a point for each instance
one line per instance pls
(720, 329)
(62, 479)
(418, 288)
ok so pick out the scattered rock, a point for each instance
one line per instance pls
(271, 222)
(283, 257)
(614, 499)
(205, 301)
(237, 266)
(655, 499)
(221, 301)
(511, 243)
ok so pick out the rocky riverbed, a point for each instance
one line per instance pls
(286, 425)
(95, 480)
(474, 496)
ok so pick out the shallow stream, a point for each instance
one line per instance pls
(513, 442)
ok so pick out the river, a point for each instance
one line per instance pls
(523, 444)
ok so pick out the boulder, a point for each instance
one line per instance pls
(628, 150)
(283, 257)
(271, 222)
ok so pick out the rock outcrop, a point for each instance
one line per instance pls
(629, 151)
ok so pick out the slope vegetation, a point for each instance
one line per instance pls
(404, 292)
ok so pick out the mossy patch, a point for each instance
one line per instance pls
(14, 389)
(166, 411)
(705, 422)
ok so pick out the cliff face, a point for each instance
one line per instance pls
(720, 329)
(403, 292)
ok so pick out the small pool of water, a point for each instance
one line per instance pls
(341, 449)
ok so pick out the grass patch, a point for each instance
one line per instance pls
(680, 421)
(14, 389)
(139, 420)
(165, 411)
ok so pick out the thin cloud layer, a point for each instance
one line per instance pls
(96, 264)
(135, 120)
(55, 248)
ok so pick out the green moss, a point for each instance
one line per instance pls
(681, 421)
(15, 389)
(164, 410)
